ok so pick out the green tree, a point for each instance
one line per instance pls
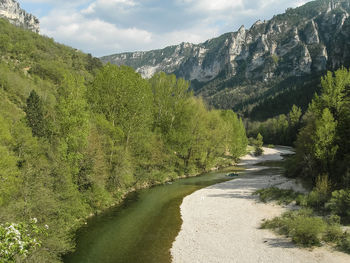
(72, 120)
(169, 96)
(235, 136)
(294, 116)
(324, 139)
(124, 98)
(322, 145)
(35, 114)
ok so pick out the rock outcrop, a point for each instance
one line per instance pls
(11, 10)
(233, 68)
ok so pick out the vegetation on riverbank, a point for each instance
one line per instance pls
(308, 226)
(306, 229)
(322, 158)
(75, 136)
(282, 196)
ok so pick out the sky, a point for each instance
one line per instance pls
(105, 27)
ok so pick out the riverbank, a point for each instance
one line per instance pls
(221, 222)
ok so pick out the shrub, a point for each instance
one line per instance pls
(320, 194)
(316, 200)
(283, 196)
(307, 231)
(274, 223)
(301, 226)
(344, 243)
(258, 143)
(339, 204)
(301, 200)
(258, 151)
(333, 220)
(333, 233)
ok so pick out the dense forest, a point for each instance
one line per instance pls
(76, 136)
(281, 130)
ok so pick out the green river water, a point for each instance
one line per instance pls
(142, 228)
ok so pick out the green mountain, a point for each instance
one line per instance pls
(261, 71)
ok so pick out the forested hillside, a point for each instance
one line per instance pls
(76, 136)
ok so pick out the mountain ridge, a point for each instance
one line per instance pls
(237, 67)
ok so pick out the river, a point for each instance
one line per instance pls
(142, 228)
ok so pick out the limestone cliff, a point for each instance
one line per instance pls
(236, 67)
(11, 10)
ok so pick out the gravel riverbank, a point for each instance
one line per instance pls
(221, 222)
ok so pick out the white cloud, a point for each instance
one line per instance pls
(103, 27)
(210, 5)
(95, 36)
(55, 2)
(108, 5)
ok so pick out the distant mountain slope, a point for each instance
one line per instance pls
(270, 62)
(11, 10)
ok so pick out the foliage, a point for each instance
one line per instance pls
(344, 243)
(18, 240)
(339, 204)
(282, 196)
(301, 226)
(307, 230)
(258, 143)
(281, 130)
(333, 233)
(320, 194)
(35, 114)
(322, 146)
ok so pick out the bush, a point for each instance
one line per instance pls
(257, 143)
(301, 200)
(333, 233)
(316, 199)
(283, 196)
(333, 220)
(301, 226)
(258, 151)
(320, 195)
(307, 231)
(344, 243)
(339, 204)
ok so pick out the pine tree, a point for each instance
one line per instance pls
(35, 114)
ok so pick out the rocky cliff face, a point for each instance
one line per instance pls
(238, 67)
(11, 10)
